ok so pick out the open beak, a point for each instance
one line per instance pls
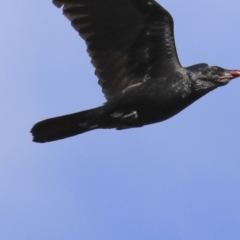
(231, 74)
(235, 74)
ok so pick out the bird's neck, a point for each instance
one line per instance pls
(200, 87)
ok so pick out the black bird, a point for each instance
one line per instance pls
(131, 43)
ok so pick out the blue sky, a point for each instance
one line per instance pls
(179, 179)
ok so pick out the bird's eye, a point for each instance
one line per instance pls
(215, 69)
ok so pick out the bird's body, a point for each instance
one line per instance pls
(132, 47)
(153, 101)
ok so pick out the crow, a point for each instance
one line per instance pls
(131, 45)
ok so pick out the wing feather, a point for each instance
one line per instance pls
(129, 41)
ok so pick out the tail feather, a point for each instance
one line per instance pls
(66, 126)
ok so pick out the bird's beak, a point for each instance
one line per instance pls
(235, 73)
(230, 74)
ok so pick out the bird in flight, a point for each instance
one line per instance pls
(131, 45)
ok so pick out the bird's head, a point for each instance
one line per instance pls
(208, 78)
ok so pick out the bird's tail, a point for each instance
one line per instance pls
(66, 126)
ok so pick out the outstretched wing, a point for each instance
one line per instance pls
(129, 41)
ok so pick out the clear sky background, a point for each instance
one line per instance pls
(179, 179)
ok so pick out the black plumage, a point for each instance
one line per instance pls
(131, 44)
